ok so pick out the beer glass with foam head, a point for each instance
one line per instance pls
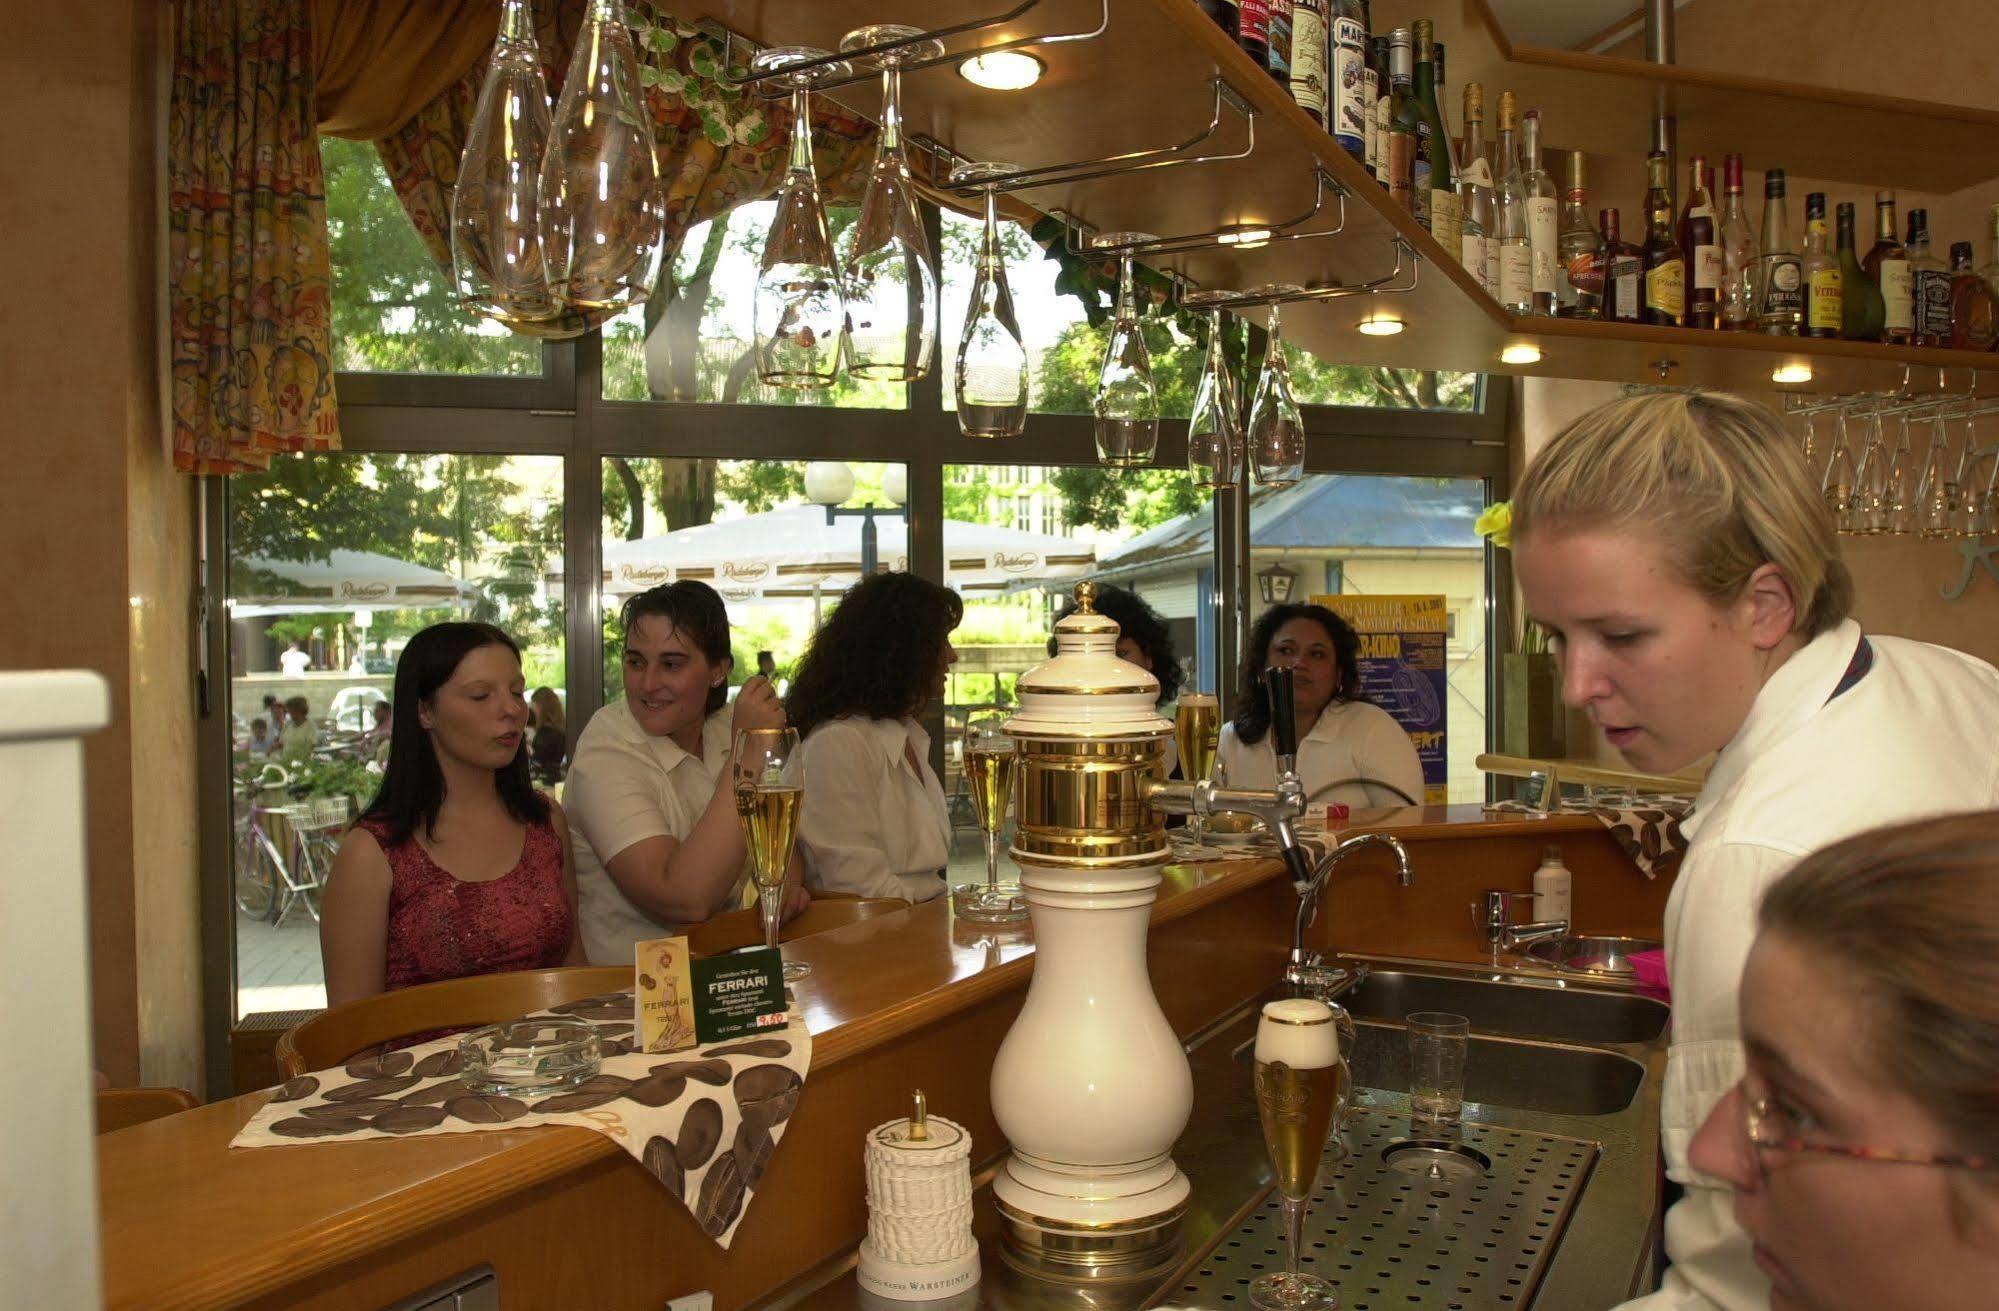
(1299, 1079)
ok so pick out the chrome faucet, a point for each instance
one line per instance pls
(1305, 972)
(1493, 914)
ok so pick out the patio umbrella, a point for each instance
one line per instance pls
(790, 552)
(344, 581)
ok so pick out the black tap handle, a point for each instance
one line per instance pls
(1283, 711)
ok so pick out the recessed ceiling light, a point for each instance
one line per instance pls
(1520, 352)
(1792, 373)
(1381, 323)
(1002, 70)
(1247, 238)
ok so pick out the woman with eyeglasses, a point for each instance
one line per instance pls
(1862, 1143)
(1677, 550)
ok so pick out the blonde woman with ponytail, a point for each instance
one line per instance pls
(1677, 551)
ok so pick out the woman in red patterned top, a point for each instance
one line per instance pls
(458, 866)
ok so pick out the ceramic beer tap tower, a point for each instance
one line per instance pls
(1091, 1086)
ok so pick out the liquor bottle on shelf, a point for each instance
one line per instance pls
(1974, 307)
(1346, 76)
(1738, 251)
(1665, 262)
(1278, 59)
(1703, 250)
(1579, 285)
(1253, 30)
(1780, 291)
(1444, 109)
(1888, 264)
(1989, 270)
(1372, 76)
(1308, 58)
(1434, 184)
(1929, 286)
(1384, 104)
(1516, 250)
(1478, 217)
(1223, 12)
(1623, 274)
(1543, 221)
(1825, 285)
(1404, 135)
(1860, 310)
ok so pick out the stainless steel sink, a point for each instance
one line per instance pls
(1524, 1010)
(1526, 1076)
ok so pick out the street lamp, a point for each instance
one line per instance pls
(1276, 583)
(831, 482)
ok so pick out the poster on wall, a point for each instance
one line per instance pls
(1402, 671)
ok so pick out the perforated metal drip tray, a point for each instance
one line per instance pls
(1474, 1233)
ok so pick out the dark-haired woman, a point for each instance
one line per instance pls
(1350, 751)
(874, 821)
(658, 843)
(458, 866)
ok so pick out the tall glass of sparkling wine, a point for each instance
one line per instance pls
(767, 804)
(1197, 727)
(1298, 1077)
(989, 769)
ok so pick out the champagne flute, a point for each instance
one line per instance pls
(1126, 404)
(798, 306)
(767, 805)
(989, 762)
(1299, 1085)
(1197, 727)
(1276, 428)
(1214, 433)
(991, 377)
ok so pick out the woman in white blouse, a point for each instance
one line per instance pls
(874, 821)
(649, 794)
(1350, 751)
(1676, 548)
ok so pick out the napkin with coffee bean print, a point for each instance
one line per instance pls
(704, 1123)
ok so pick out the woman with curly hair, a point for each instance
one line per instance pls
(1350, 751)
(874, 820)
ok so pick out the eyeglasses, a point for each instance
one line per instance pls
(1770, 1128)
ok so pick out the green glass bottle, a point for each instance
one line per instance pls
(1861, 310)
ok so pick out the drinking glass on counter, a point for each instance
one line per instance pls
(1438, 1042)
(1197, 728)
(989, 772)
(1299, 1078)
(767, 807)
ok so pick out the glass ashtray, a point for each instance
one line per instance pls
(529, 1058)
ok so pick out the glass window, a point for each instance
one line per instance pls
(1315, 382)
(749, 529)
(335, 561)
(693, 340)
(394, 310)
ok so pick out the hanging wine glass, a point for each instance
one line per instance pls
(1869, 514)
(1276, 428)
(1964, 522)
(1214, 432)
(1900, 503)
(891, 283)
(1126, 404)
(990, 377)
(1836, 487)
(602, 221)
(496, 257)
(799, 310)
(1808, 443)
(1936, 496)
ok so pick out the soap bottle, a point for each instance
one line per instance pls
(1552, 895)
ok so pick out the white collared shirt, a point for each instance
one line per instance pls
(1353, 739)
(1917, 735)
(871, 824)
(624, 786)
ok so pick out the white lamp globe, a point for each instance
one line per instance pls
(828, 482)
(895, 484)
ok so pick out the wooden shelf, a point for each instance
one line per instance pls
(1603, 104)
(1145, 83)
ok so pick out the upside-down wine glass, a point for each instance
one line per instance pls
(799, 309)
(990, 377)
(1276, 428)
(1214, 431)
(496, 256)
(1126, 404)
(891, 284)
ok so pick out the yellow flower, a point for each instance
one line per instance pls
(1495, 524)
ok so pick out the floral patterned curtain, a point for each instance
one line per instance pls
(249, 288)
(719, 146)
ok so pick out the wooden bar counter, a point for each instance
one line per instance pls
(567, 1219)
